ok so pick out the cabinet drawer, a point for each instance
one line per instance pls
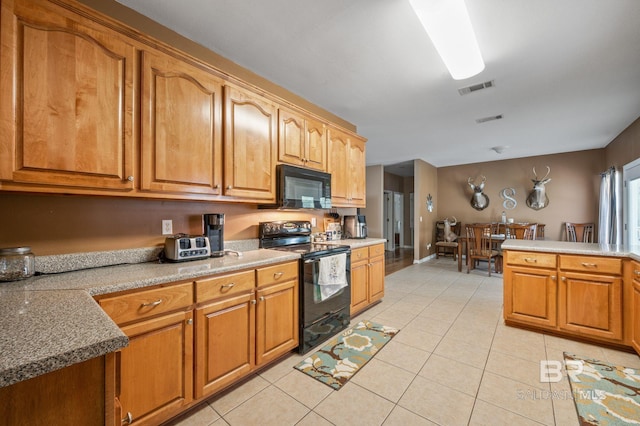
(359, 254)
(538, 260)
(278, 273)
(606, 265)
(377, 250)
(224, 285)
(146, 303)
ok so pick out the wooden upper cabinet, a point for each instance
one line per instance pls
(346, 163)
(66, 96)
(181, 127)
(302, 141)
(250, 143)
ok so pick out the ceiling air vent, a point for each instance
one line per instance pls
(485, 119)
(475, 87)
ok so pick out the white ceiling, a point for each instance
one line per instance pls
(567, 72)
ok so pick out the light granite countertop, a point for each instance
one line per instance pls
(567, 247)
(51, 320)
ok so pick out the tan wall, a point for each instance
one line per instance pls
(625, 147)
(55, 224)
(426, 182)
(375, 204)
(573, 191)
(408, 187)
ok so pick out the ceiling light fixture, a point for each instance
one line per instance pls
(449, 27)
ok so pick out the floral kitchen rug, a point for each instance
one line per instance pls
(604, 394)
(337, 361)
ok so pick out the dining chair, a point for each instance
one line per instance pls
(580, 232)
(444, 247)
(480, 245)
(522, 231)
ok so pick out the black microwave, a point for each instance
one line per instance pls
(299, 188)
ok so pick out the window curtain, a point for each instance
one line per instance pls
(610, 218)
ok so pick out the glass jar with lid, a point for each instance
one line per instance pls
(16, 263)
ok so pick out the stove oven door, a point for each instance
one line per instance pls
(321, 316)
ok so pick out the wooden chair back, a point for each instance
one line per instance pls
(479, 244)
(580, 232)
(522, 231)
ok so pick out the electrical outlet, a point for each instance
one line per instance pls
(428, 246)
(167, 227)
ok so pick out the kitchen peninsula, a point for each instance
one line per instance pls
(580, 290)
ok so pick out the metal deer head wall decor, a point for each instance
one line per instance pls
(537, 198)
(479, 200)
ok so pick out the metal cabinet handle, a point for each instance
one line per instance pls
(151, 304)
(261, 298)
(253, 301)
(589, 265)
(190, 321)
(563, 278)
(636, 272)
(216, 186)
(553, 277)
(229, 186)
(130, 178)
(530, 260)
(223, 286)
(277, 275)
(128, 420)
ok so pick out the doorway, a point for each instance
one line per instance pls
(393, 220)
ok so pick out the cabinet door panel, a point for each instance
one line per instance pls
(181, 127)
(316, 146)
(357, 173)
(376, 279)
(338, 155)
(359, 287)
(224, 343)
(250, 145)
(291, 138)
(530, 296)
(72, 116)
(276, 321)
(635, 326)
(156, 369)
(591, 305)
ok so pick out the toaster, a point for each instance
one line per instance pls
(181, 247)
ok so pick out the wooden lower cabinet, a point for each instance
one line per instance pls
(156, 369)
(530, 295)
(635, 306)
(74, 395)
(367, 277)
(590, 305)
(252, 320)
(580, 296)
(225, 345)
(154, 373)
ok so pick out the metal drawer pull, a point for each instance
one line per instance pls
(261, 298)
(151, 304)
(553, 277)
(531, 259)
(636, 272)
(277, 275)
(129, 419)
(589, 265)
(227, 285)
(563, 278)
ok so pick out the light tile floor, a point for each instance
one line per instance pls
(454, 362)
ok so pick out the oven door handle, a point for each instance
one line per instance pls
(325, 315)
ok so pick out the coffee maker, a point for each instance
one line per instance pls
(354, 226)
(214, 230)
